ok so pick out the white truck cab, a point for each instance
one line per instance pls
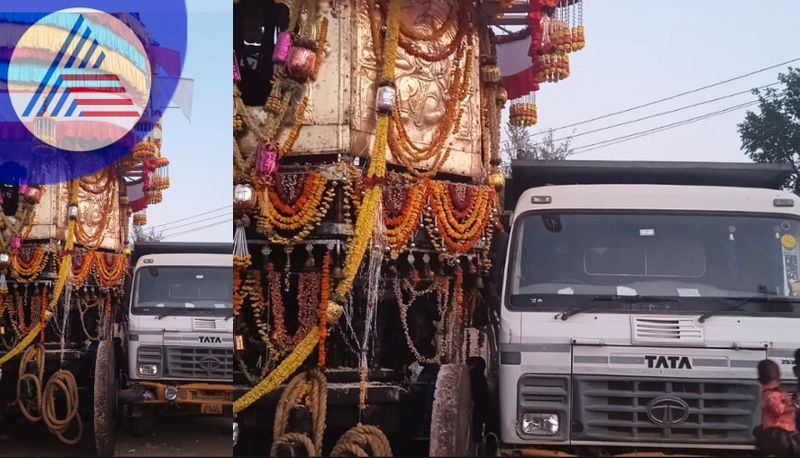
(179, 331)
(634, 315)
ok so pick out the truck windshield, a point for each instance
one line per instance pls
(706, 262)
(183, 290)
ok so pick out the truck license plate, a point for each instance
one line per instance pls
(211, 409)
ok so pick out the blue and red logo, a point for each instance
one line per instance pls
(81, 86)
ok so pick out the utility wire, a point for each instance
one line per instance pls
(613, 141)
(708, 86)
(686, 107)
(193, 223)
(189, 231)
(190, 217)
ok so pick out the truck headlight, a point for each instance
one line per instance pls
(235, 433)
(540, 424)
(147, 370)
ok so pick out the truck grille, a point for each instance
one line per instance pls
(206, 363)
(665, 410)
(666, 330)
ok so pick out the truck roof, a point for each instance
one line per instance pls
(526, 174)
(143, 249)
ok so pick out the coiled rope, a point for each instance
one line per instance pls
(65, 382)
(362, 440)
(31, 377)
(43, 404)
(310, 389)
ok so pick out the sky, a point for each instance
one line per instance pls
(200, 151)
(638, 51)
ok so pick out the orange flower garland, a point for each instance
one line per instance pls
(27, 270)
(400, 228)
(108, 273)
(237, 294)
(302, 216)
(459, 235)
(324, 297)
(80, 274)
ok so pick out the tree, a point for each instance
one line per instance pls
(520, 145)
(773, 135)
(141, 235)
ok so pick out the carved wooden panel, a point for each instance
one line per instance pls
(50, 221)
(422, 89)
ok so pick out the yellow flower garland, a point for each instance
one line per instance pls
(287, 367)
(377, 167)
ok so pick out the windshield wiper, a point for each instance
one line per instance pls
(600, 299)
(748, 300)
(164, 315)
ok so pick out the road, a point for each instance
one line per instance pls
(185, 436)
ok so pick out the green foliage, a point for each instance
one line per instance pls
(773, 134)
(521, 145)
(146, 236)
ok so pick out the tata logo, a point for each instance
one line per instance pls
(210, 340)
(88, 88)
(209, 363)
(668, 362)
(667, 410)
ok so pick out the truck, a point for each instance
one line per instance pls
(178, 332)
(638, 298)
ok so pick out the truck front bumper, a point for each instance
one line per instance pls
(211, 398)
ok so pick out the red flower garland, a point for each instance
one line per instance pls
(324, 297)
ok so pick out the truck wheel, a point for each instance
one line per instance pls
(105, 399)
(451, 419)
(142, 425)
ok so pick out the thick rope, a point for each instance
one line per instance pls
(362, 440)
(32, 355)
(291, 439)
(65, 382)
(310, 389)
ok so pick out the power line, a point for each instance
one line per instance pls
(708, 86)
(193, 223)
(189, 231)
(643, 133)
(644, 118)
(190, 217)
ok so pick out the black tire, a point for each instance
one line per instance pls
(451, 419)
(105, 399)
(142, 425)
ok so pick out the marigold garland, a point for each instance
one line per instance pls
(27, 270)
(459, 235)
(325, 291)
(300, 217)
(287, 367)
(109, 274)
(400, 228)
(377, 167)
(63, 270)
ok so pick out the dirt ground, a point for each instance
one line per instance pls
(184, 436)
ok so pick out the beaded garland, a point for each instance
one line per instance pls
(308, 287)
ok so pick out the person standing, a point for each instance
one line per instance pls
(778, 433)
